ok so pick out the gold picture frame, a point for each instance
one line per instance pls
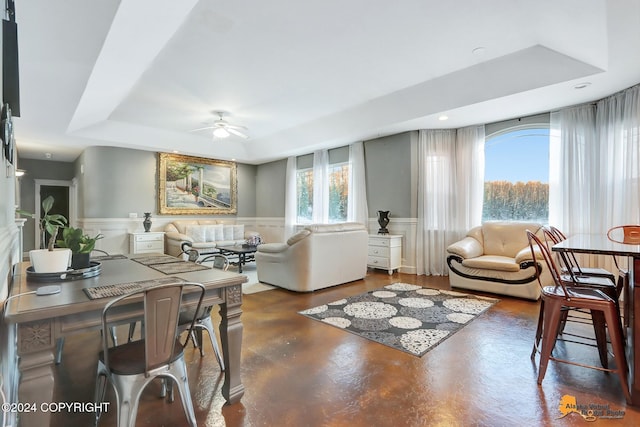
(196, 186)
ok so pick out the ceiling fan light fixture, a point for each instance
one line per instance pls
(220, 133)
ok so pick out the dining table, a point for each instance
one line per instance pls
(600, 244)
(43, 311)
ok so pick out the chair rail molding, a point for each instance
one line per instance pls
(116, 231)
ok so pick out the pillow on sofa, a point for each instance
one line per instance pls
(227, 232)
(196, 232)
(238, 232)
(214, 233)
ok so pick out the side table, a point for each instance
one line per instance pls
(146, 242)
(385, 251)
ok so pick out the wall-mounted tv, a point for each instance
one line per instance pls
(10, 71)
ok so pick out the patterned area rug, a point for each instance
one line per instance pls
(403, 316)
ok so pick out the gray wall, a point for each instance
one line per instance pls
(119, 181)
(270, 185)
(388, 172)
(388, 175)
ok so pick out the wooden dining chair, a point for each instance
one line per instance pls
(130, 367)
(560, 294)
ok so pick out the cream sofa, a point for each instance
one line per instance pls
(495, 257)
(204, 235)
(317, 257)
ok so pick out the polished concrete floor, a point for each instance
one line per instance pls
(301, 372)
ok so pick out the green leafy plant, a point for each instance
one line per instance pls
(77, 241)
(50, 223)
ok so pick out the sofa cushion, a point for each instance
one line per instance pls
(273, 247)
(492, 262)
(332, 228)
(227, 232)
(213, 232)
(238, 232)
(196, 232)
(468, 247)
(506, 238)
(297, 237)
(182, 225)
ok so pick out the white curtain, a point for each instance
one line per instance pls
(321, 187)
(470, 176)
(594, 167)
(450, 192)
(618, 127)
(290, 198)
(573, 169)
(357, 210)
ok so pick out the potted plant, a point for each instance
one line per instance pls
(80, 244)
(50, 260)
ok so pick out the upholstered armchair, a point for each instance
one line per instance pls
(317, 257)
(495, 257)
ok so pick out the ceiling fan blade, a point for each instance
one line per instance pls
(237, 133)
(199, 129)
(228, 126)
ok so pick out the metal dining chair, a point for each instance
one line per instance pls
(130, 367)
(575, 275)
(627, 235)
(203, 318)
(202, 323)
(560, 294)
(571, 262)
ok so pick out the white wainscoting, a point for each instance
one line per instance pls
(9, 257)
(116, 232)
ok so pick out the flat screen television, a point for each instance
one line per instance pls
(10, 71)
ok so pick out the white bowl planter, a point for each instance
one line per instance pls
(46, 261)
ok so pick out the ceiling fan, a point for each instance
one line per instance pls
(223, 129)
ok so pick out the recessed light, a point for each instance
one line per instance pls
(175, 151)
(478, 51)
(443, 117)
(582, 85)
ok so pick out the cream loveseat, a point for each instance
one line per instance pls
(495, 257)
(204, 235)
(317, 257)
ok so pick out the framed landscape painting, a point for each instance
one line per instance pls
(195, 185)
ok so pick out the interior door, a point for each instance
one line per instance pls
(60, 205)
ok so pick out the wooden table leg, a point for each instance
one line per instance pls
(36, 346)
(231, 337)
(633, 331)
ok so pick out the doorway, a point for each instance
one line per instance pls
(63, 193)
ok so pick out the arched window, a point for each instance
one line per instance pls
(516, 184)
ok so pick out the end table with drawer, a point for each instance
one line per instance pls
(146, 242)
(385, 251)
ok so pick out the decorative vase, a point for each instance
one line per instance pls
(79, 261)
(147, 222)
(383, 220)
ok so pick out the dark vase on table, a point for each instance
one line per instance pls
(147, 222)
(79, 261)
(383, 220)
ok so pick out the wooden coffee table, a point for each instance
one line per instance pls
(244, 253)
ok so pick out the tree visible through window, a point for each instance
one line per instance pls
(304, 191)
(516, 183)
(338, 193)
